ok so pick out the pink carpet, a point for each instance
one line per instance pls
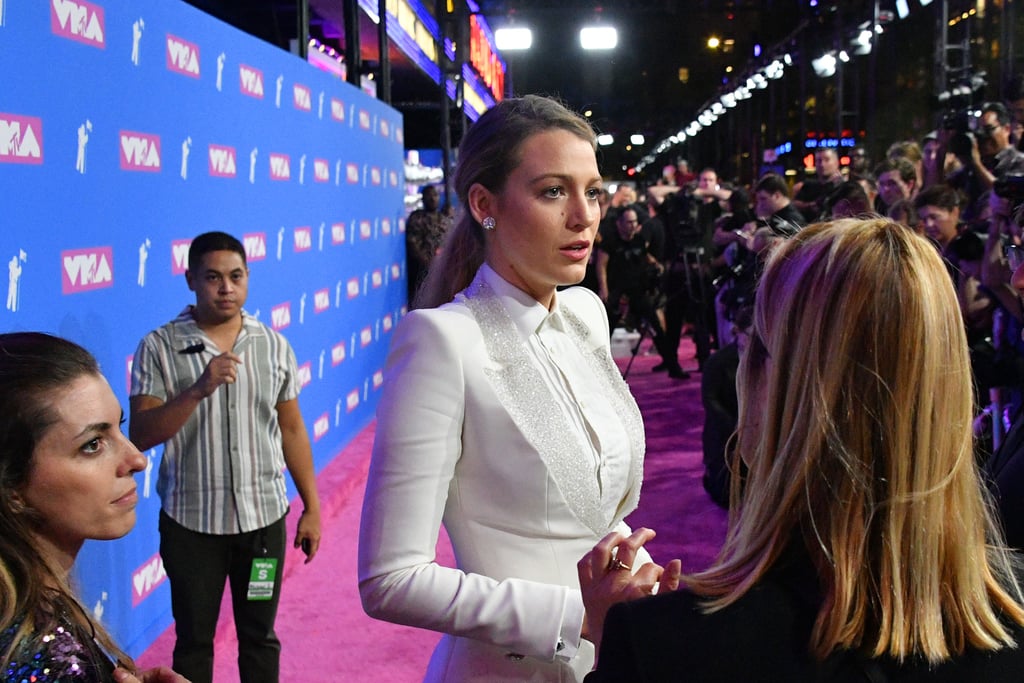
(326, 637)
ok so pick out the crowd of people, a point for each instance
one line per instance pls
(846, 328)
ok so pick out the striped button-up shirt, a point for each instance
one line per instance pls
(223, 472)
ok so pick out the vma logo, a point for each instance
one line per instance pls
(392, 179)
(182, 56)
(352, 173)
(338, 353)
(378, 380)
(321, 300)
(320, 427)
(375, 176)
(321, 171)
(140, 152)
(396, 271)
(223, 161)
(86, 269)
(78, 20)
(337, 109)
(21, 139)
(147, 578)
(365, 230)
(305, 375)
(281, 316)
(365, 337)
(376, 278)
(385, 128)
(302, 239)
(250, 81)
(280, 166)
(352, 401)
(337, 233)
(385, 226)
(255, 244)
(179, 256)
(387, 323)
(301, 97)
(352, 288)
(399, 135)
(364, 119)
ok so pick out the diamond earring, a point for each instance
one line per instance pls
(488, 223)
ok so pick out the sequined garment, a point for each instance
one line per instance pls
(59, 655)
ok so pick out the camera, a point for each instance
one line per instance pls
(1010, 187)
(964, 126)
(963, 116)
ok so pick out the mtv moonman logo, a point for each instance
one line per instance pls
(84, 131)
(14, 270)
(138, 26)
(78, 20)
(186, 149)
(143, 258)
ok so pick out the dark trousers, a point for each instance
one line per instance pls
(197, 566)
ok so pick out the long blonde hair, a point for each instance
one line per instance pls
(489, 152)
(858, 380)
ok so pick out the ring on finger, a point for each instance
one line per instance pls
(616, 563)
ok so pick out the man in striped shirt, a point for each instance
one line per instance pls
(220, 390)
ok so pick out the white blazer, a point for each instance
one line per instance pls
(469, 434)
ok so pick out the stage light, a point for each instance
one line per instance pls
(729, 100)
(717, 108)
(637, 139)
(599, 38)
(714, 42)
(605, 139)
(513, 39)
(824, 65)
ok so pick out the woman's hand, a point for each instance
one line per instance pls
(160, 674)
(607, 576)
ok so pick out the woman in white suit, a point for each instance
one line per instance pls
(504, 417)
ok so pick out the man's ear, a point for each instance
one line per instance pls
(189, 281)
(480, 202)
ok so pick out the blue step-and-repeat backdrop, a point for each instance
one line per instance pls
(127, 128)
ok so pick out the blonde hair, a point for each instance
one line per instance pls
(489, 153)
(863, 450)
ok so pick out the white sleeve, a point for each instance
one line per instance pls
(416, 448)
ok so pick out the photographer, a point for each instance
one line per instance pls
(984, 149)
(1003, 272)
(774, 208)
(627, 268)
